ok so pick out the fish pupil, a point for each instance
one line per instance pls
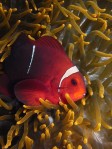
(73, 82)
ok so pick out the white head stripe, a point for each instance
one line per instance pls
(69, 72)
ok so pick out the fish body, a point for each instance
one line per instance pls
(41, 69)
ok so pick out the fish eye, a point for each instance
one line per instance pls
(74, 82)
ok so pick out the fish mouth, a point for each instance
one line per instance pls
(79, 96)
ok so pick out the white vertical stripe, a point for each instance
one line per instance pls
(33, 51)
(69, 72)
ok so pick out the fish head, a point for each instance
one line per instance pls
(72, 84)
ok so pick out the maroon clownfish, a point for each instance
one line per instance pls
(40, 69)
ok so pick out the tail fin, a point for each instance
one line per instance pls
(4, 85)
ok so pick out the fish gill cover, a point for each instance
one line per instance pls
(85, 30)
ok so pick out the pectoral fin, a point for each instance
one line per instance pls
(29, 91)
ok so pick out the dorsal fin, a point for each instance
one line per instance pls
(49, 42)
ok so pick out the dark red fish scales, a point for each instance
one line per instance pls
(40, 69)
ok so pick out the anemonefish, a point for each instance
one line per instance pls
(40, 69)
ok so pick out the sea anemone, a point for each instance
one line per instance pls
(84, 28)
